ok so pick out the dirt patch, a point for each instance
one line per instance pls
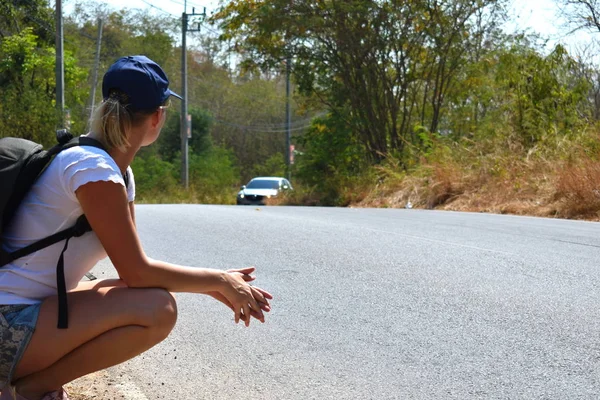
(99, 385)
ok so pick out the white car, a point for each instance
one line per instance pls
(261, 188)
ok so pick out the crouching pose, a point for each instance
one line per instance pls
(109, 321)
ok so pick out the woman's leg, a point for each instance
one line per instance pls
(108, 323)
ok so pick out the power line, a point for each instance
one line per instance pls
(218, 86)
(299, 124)
(176, 16)
(194, 4)
(172, 1)
(249, 128)
(160, 9)
(210, 29)
(264, 126)
(176, 2)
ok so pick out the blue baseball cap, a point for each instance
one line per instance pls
(141, 79)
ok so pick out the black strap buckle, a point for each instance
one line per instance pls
(63, 136)
(81, 226)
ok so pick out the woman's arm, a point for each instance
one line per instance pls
(132, 211)
(106, 208)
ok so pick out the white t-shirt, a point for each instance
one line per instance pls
(49, 207)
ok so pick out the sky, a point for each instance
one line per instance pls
(546, 18)
(174, 7)
(539, 16)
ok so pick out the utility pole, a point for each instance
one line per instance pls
(288, 113)
(60, 69)
(288, 117)
(184, 107)
(96, 66)
(186, 121)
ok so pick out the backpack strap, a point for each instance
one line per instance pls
(81, 226)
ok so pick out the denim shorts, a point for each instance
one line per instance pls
(17, 323)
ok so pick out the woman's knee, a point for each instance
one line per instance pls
(161, 310)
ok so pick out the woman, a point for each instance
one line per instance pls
(110, 321)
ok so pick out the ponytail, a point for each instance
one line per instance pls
(113, 120)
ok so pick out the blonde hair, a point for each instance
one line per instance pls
(113, 120)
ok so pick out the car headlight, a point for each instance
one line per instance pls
(241, 195)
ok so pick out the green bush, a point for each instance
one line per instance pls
(273, 166)
(214, 176)
(332, 162)
(153, 175)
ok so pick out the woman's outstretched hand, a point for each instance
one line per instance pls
(243, 299)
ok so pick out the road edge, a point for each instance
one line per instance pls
(104, 385)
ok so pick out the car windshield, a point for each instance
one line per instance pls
(263, 184)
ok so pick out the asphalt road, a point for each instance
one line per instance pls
(378, 304)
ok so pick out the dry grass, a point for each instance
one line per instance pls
(299, 196)
(507, 182)
(578, 186)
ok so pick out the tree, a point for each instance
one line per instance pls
(332, 157)
(392, 63)
(582, 14)
(28, 87)
(544, 93)
(169, 142)
(17, 15)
